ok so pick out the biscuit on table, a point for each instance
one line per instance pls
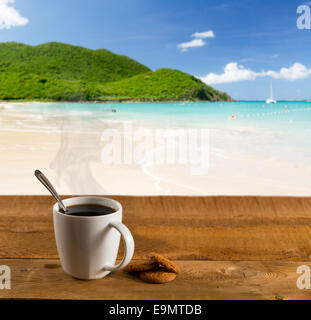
(157, 276)
(140, 266)
(164, 262)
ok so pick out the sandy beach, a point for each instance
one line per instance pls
(70, 152)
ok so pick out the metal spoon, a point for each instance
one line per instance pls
(45, 181)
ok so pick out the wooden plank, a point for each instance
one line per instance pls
(183, 228)
(45, 279)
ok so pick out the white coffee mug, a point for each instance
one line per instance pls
(88, 245)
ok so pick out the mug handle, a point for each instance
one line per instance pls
(129, 246)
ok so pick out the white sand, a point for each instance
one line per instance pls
(73, 162)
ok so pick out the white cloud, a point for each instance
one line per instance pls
(9, 16)
(232, 73)
(235, 73)
(276, 55)
(295, 72)
(204, 34)
(197, 42)
(191, 44)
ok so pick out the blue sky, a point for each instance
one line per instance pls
(256, 39)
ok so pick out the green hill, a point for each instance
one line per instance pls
(67, 62)
(61, 72)
(162, 85)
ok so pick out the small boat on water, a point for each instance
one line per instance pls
(271, 100)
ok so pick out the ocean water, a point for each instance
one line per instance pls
(256, 148)
(283, 115)
(287, 122)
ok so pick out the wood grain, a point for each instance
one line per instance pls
(183, 228)
(45, 279)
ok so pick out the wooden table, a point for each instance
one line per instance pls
(227, 248)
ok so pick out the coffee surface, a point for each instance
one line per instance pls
(89, 210)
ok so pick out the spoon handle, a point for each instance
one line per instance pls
(45, 181)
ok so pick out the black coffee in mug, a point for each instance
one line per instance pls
(88, 210)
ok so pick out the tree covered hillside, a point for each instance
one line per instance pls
(62, 72)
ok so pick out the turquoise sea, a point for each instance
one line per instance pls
(290, 121)
(194, 114)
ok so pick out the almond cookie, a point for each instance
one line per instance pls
(140, 266)
(157, 276)
(164, 262)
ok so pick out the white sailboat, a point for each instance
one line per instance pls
(271, 100)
